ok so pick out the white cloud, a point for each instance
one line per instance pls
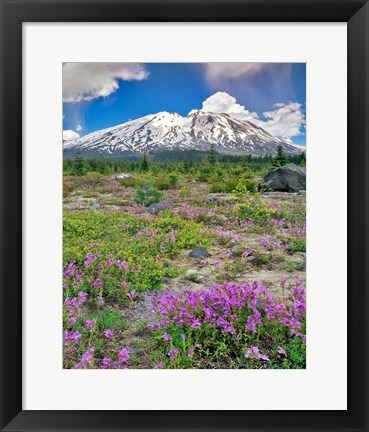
(285, 120)
(193, 111)
(79, 128)
(69, 135)
(256, 81)
(222, 102)
(218, 71)
(87, 81)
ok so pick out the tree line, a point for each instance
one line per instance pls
(80, 165)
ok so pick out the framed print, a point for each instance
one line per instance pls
(184, 215)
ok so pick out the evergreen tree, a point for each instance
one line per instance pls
(212, 155)
(93, 165)
(280, 158)
(102, 165)
(186, 164)
(145, 163)
(79, 165)
(302, 159)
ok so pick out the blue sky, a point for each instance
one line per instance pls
(100, 95)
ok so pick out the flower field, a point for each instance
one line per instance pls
(179, 271)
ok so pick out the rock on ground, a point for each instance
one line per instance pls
(123, 176)
(155, 207)
(301, 267)
(199, 252)
(287, 178)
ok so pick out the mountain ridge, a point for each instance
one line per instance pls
(171, 131)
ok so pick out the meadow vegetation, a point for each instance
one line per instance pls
(134, 298)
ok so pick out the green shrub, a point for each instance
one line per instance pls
(90, 194)
(241, 189)
(254, 208)
(163, 183)
(224, 186)
(89, 180)
(68, 188)
(173, 179)
(205, 172)
(217, 187)
(297, 245)
(112, 320)
(244, 187)
(251, 186)
(204, 176)
(147, 194)
(130, 181)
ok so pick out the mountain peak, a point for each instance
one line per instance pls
(169, 130)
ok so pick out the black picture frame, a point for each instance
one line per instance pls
(13, 14)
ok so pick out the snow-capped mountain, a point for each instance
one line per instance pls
(169, 131)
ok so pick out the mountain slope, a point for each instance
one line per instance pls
(169, 131)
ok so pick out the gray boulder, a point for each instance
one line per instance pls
(155, 207)
(212, 198)
(199, 252)
(301, 267)
(287, 178)
(166, 280)
(123, 176)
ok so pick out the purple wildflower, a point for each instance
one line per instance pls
(172, 354)
(74, 336)
(123, 355)
(131, 295)
(87, 357)
(109, 334)
(167, 337)
(254, 352)
(281, 351)
(90, 323)
(190, 352)
(107, 363)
